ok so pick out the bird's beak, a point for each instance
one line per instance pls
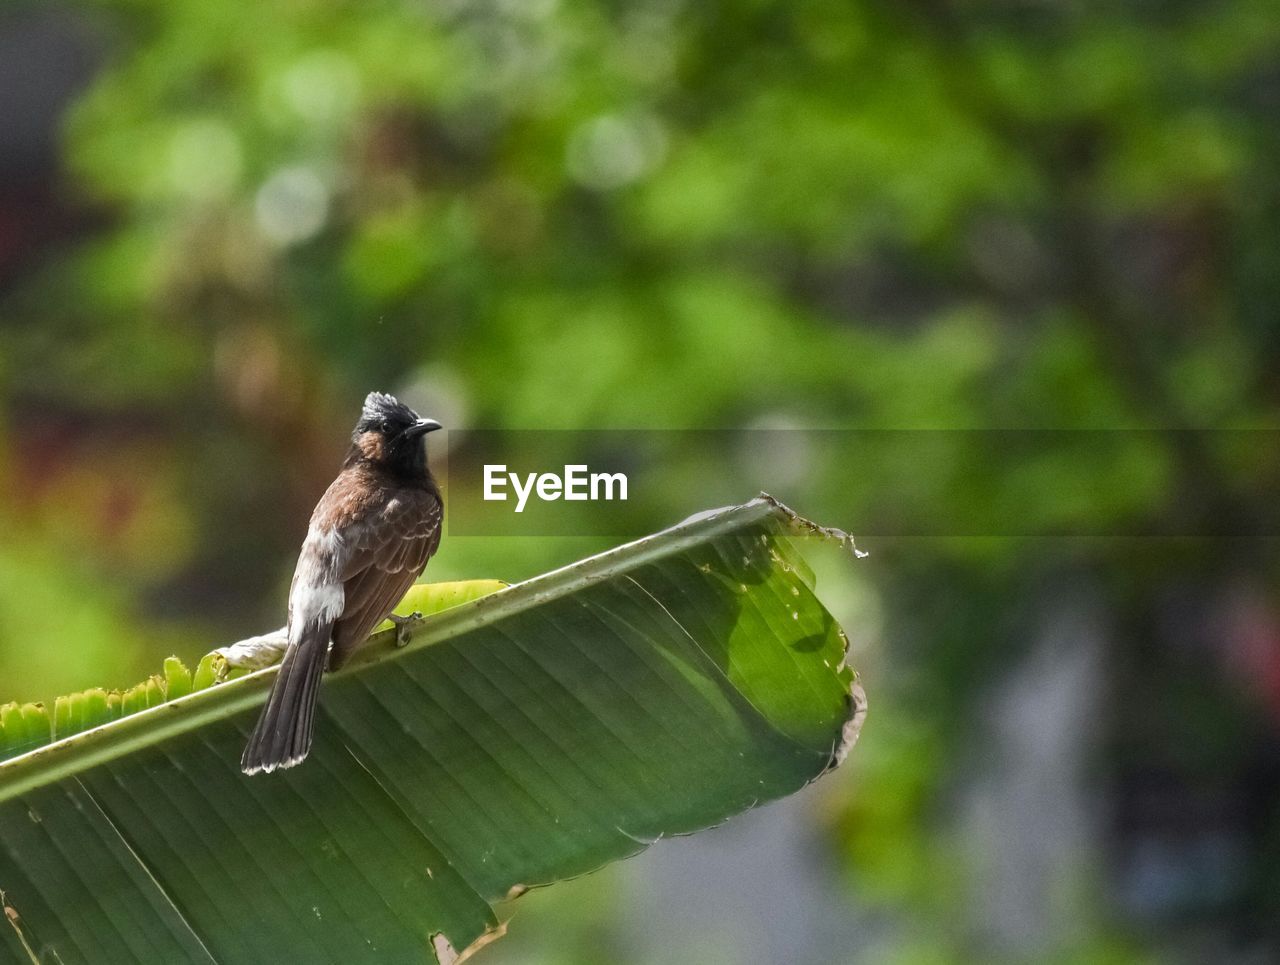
(422, 427)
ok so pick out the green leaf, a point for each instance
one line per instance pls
(523, 736)
(177, 679)
(206, 672)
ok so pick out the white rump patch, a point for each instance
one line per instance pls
(317, 595)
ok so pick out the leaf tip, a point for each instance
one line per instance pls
(807, 527)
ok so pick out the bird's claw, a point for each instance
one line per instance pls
(405, 626)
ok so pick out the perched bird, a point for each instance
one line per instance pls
(370, 537)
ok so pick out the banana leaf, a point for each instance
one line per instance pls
(527, 734)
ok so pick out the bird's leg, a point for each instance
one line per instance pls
(405, 626)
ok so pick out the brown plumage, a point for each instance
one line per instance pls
(370, 537)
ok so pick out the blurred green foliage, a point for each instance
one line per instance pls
(662, 214)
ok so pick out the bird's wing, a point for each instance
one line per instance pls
(387, 550)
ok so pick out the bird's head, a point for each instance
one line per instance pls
(390, 434)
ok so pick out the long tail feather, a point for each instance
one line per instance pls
(282, 736)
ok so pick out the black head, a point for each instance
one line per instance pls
(390, 434)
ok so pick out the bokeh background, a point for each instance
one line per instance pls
(221, 223)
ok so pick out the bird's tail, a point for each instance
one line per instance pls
(282, 736)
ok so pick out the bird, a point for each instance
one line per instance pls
(370, 538)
